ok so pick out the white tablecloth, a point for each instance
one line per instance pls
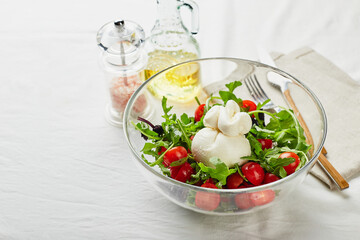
(67, 174)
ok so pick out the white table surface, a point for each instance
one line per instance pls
(67, 174)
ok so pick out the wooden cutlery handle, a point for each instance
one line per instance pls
(323, 150)
(290, 100)
(331, 171)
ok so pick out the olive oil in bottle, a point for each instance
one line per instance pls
(178, 84)
(171, 43)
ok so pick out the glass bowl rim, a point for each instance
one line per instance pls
(238, 190)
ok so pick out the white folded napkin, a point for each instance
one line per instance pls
(340, 97)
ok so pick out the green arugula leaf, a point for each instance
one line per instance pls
(162, 143)
(148, 146)
(178, 162)
(165, 109)
(282, 173)
(226, 96)
(258, 129)
(280, 162)
(185, 118)
(252, 157)
(231, 86)
(144, 129)
(303, 146)
(271, 153)
(145, 160)
(274, 124)
(255, 144)
(174, 133)
(260, 105)
(220, 172)
(184, 135)
(152, 153)
(165, 170)
(194, 128)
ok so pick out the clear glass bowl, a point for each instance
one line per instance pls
(214, 73)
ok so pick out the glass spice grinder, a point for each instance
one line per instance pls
(123, 61)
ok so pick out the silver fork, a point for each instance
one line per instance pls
(258, 93)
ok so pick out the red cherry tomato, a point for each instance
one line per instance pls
(210, 180)
(253, 172)
(174, 154)
(247, 104)
(246, 185)
(184, 173)
(234, 181)
(209, 184)
(265, 143)
(269, 177)
(243, 201)
(174, 171)
(199, 112)
(262, 197)
(205, 200)
(292, 166)
(162, 149)
(192, 137)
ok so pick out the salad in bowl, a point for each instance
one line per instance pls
(226, 144)
(224, 154)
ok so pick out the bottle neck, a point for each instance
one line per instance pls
(168, 14)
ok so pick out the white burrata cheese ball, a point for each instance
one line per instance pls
(229, 120)
(223, 136)
(209, 143)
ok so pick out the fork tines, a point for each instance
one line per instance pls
(255, 89)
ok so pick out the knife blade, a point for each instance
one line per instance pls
(276, 79)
